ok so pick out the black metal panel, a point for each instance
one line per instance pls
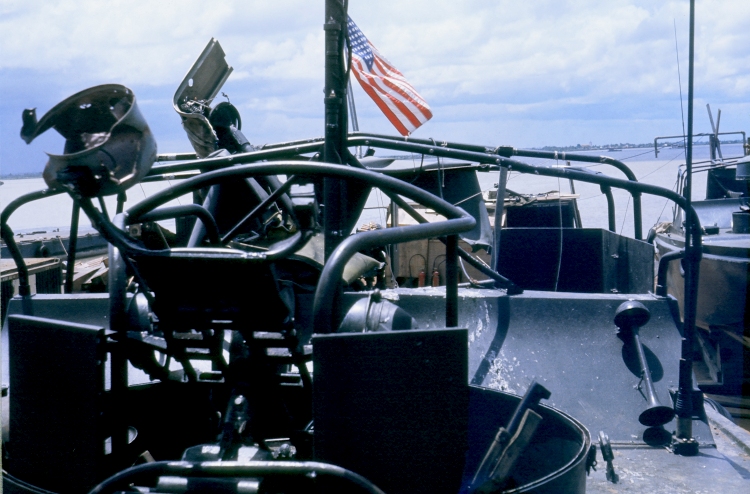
(393, 406)
(7, 291)
(189, 294)
(84, 308)
(592, 260)
(56, 387)
(49, 280)
(542, 214)
(45, 276)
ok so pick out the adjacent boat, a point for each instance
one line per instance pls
(724, 284)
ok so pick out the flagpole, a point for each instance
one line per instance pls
(353, 113)
(352, 108)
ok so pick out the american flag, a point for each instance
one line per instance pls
(387, 87)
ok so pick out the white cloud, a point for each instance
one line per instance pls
(532, 69)
(138, 41)
(447, 49)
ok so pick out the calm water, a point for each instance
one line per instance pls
(54, 212)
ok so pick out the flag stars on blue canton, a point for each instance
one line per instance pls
(360, 45)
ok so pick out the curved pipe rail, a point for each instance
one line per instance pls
(176, 156)
(695, 253)
(72, 246)
(279, 191)
(170, 176)
(296, 142)
(661, 277)
(500, 281)
(123, 242)
(495, 160)
(356, 139)
(292, 148)
(458, 220)
(24, 287)
(508, 151)
(298, 168)
(324, 314)
(208, 164)
(212, 230)
(607, 191)
(604, 160)
(291, 168)
(230, 469)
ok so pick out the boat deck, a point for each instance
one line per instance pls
(723, 468)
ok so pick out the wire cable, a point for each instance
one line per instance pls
(559, 212)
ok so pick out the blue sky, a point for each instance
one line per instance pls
(525, 74)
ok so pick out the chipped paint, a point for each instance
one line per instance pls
(391, 295)
(500, 371)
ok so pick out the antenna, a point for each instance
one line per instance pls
(718, 142)
(679, 80)
(684, 443)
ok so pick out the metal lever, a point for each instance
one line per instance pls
(608, 457)
(234, 428)
(509, 442)
(629, 317)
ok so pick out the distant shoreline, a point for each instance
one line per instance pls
(622, 145)
(18, 176)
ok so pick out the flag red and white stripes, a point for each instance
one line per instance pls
(396, 98)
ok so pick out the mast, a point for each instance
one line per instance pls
(335, 193)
